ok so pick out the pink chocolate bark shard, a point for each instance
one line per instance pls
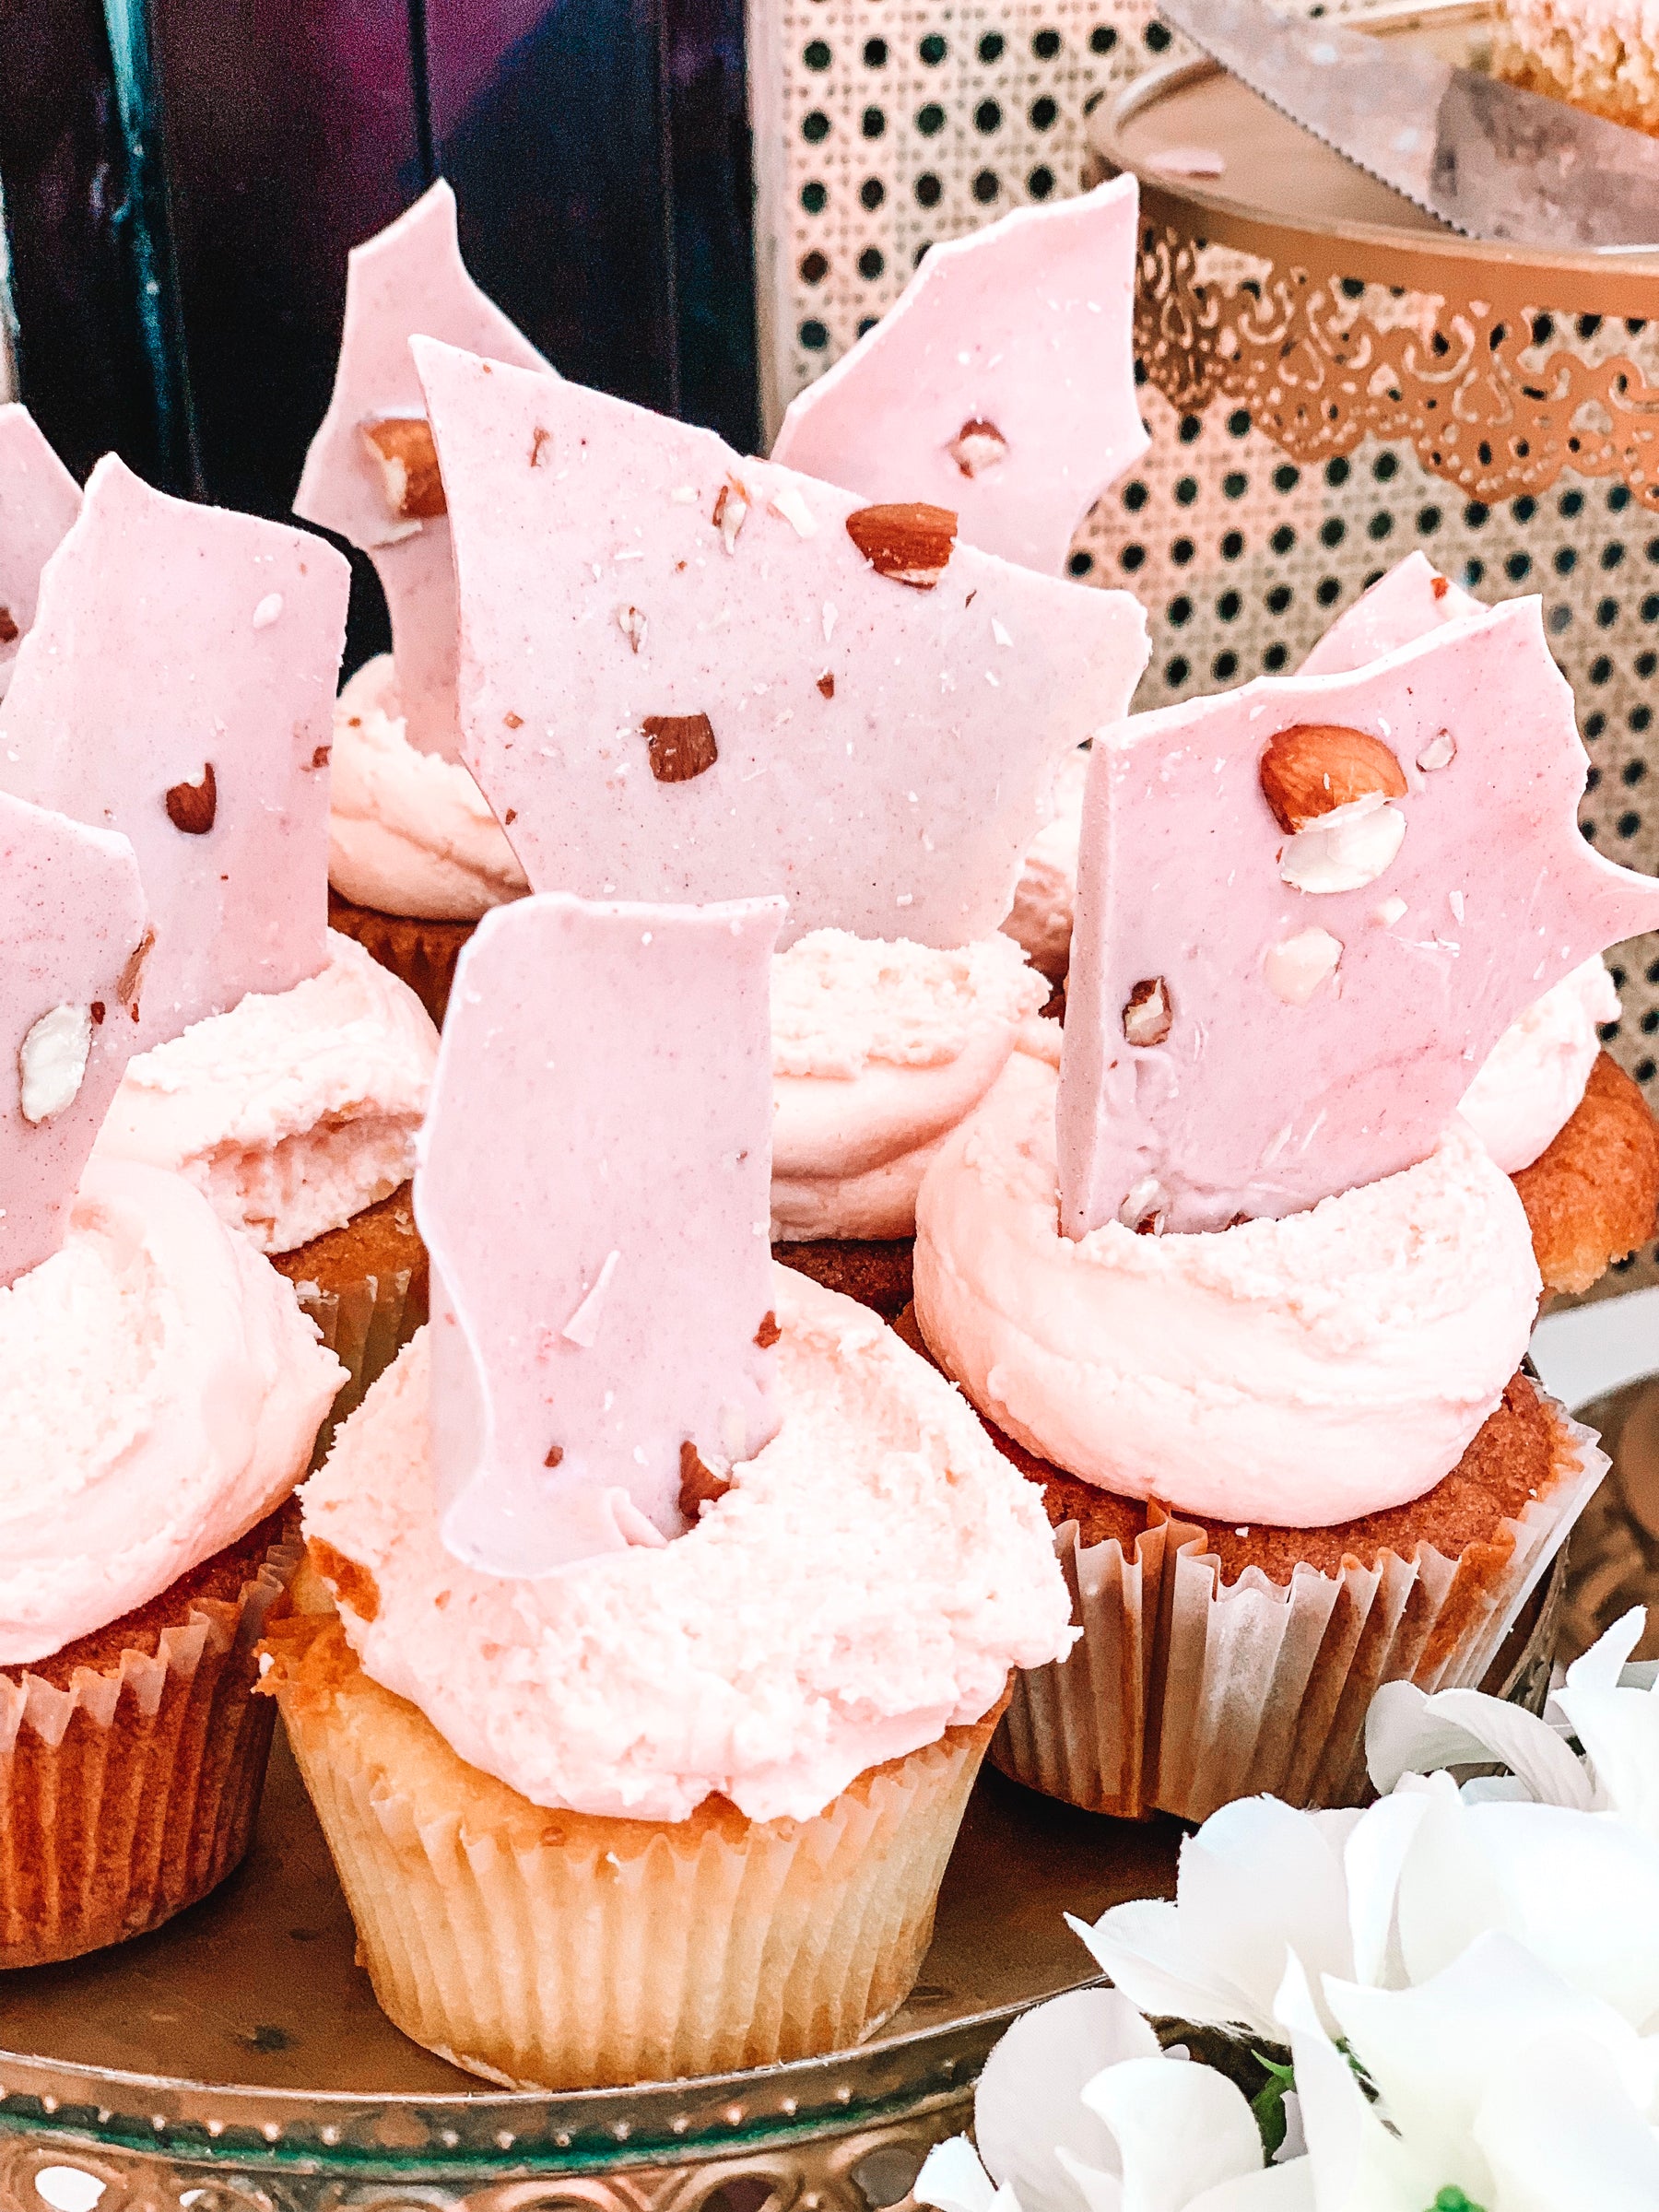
(1238, 1045)
(408, 278)
(593, 1189)
(1001, 384)
(178, 686)
(72, 919)
(39, 500)
(1411, 601)
(682, 679)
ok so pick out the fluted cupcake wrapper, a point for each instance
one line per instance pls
(423, 953)
(365, 1324)
(1183, 1693)
(555, 1951)
(132, 1793)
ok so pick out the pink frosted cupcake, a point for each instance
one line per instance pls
(1240, 1289)
(676, 1596)
(160, 1394)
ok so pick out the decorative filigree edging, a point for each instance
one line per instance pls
(1296, 349)
(855, 2173)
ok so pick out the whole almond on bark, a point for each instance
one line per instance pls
(911, 542)
(1316, 766)
(403, 446)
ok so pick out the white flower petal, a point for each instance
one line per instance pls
(1275, 2189)
(1258, 1879)
(1581, 1893)
(1433, 2052)
(1028, 2103)
(1560, 2134)
(1404, 1731)
(1154, 1957)
(1372, 1859)
(1357, 2165)
(1601, 1665)
(1100, 2192)
(1444, 1897)
(953, 2179)
(1620, 1731)
(1180, 2130)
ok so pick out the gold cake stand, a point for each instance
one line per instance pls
(236, 2058)
(235, 2061)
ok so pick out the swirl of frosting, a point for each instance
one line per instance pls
(293, 1111)
(409, 832)
(879, 1050)
(1297, 1372)
(1534, 1076)
(866, 1582)
(160, 1392)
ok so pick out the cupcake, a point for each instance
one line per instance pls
(1556, 1111)
(657, 1684)
(39, 500)
(796, 693)
(1240, 1288)
(177, 683)
(160, 1394)
(414, 854)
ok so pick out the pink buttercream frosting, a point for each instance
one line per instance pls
(866, 1582)
(160, 1392)
(1298, 1372)
(409, 832)
(879, 1049)
(1534, 1076)
(293, 1111)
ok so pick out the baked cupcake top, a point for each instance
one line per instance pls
(160, 1391)
(178, 683)
(640, 1518)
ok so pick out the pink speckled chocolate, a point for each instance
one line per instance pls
(1411, 601)
(72, 918)
(408, 278)
(1250, 1105)
(1020, 335)
(172, 638)
(593, 1189)
(38, 500)
(882, 754)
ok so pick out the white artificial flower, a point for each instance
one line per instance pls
(1258, 1880)
(1563, 1856)
(1494, 2078)
(1079, 2110)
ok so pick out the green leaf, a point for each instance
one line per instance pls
(1451, 2199)
(1268, 2106)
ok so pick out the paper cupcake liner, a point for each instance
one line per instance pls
(365, 1324)
(423, 953)
(559, 1950)
(365, 1315)
(132, 1793)
(1183, 1693)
